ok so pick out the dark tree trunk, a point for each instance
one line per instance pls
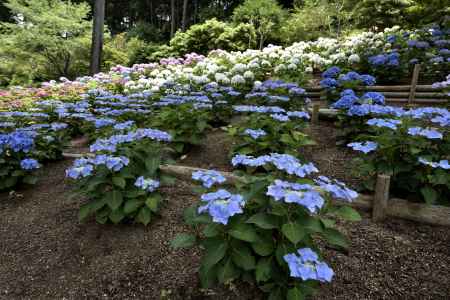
(172, 18)
(97, 36)
(184, 18)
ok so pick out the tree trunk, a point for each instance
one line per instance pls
(97, 36)
(184, 18)
(195, 11)
(172, 18)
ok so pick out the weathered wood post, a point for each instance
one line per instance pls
(315, 113)
(381, 197)
(414, 80)
(97, 36)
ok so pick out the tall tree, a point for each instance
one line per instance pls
(265, 15)
(97, 36)
(172, 18)
(184, 18)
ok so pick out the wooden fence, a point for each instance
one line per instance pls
(412, 94)
(380, 203)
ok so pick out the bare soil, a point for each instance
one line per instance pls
(45, 253)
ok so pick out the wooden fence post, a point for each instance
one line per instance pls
(381, 197)
(414, 80)
(315, 114)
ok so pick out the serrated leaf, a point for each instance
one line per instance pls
(348, 213)
(153, 201)
(132, 205)
(211, 230)
(294, 294)
(114, 199)
(263, 269)
(214, 253)
(119, 181)
(242, 257)
(293, 231)
(183, 240)
(336, 238)
(144, 215)
(263, 220)
(227, 271)
(244, 232)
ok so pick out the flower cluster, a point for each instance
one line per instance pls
(365, 147)
(208, 177)
(255, 133)
(425, 132)
(302, 194)
(305, 264)
(222, 205)
(146, 184)
(283, 162)
(110, 144)
(83, 167)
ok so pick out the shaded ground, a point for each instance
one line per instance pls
(46, 254)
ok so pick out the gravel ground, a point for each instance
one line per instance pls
(47, 254)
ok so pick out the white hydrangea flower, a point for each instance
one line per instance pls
(249, 75)
(354, 59)
(237, 79)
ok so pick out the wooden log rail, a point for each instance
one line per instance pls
(424, 94)
(380, 203)
(407, 94)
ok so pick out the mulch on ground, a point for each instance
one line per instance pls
(47, 254)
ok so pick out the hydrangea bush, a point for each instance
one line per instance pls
(264, 229)
(121, 181)
(413, 148)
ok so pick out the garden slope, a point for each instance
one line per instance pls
(47, 254)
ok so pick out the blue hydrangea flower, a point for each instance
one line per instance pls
(302, 194)
(209, 177)
(255, 133)
(443, 164)
(373, 97)
(329, 83)
(146, 184)
(428, 133)
(283, 162)
(347, 100)
(365, 147)
(331, 72)
(305, 264)
(80, 171)
(388, 123)
(99, 123)
(123, 125)
(280, 117)
(298, 114)
(222, 205)
(29, 164)
(336, 188)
